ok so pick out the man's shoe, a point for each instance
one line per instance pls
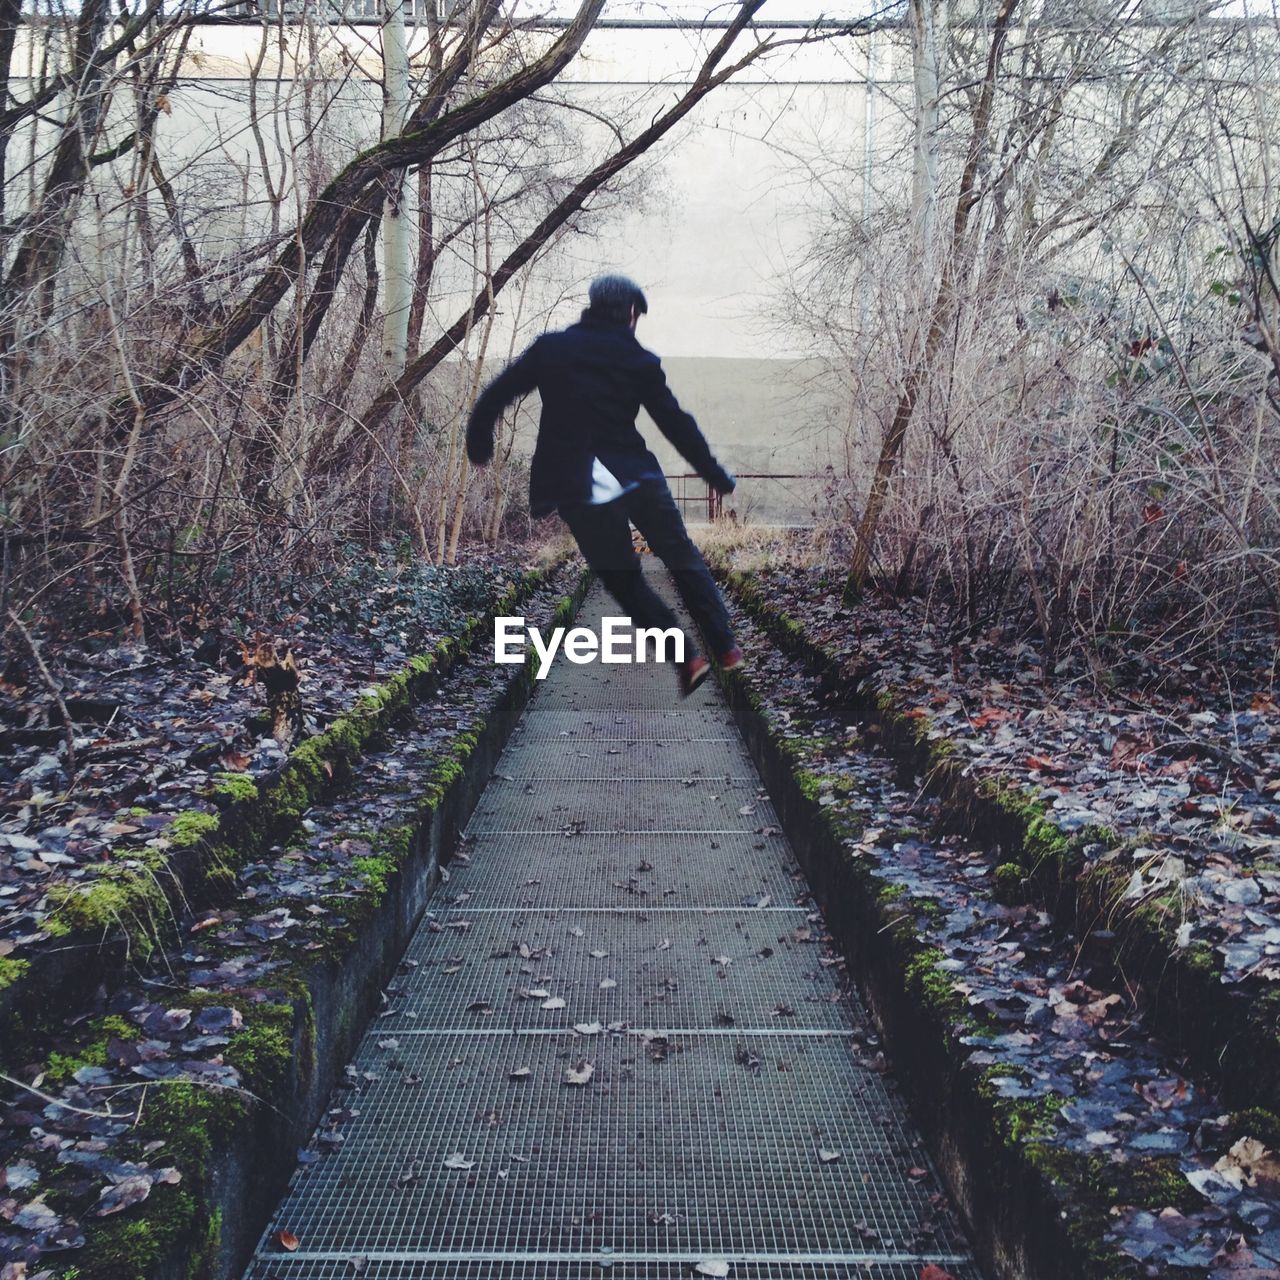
(730, 659)
(693, 671)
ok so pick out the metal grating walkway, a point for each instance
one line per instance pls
(623, 874)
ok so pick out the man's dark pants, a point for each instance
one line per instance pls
(603, 534)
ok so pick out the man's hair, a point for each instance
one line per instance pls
(613, 297)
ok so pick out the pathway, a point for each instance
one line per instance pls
(624, 874)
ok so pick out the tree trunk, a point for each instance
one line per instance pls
(942, 313)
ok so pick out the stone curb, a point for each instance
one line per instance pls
(1233, 1037)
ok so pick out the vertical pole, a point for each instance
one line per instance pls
(868, 146)
(397, 282)
(395, 225)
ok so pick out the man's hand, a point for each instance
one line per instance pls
(722, 481)
(479, 443)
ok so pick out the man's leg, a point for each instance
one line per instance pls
(603, 534)
(654, 512)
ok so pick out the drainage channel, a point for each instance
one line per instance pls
(618, 1043)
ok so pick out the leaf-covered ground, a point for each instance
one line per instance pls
(91, 1137)
(1176, 1184)
(153, 731)
(1179, 758)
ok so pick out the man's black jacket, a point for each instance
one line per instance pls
(593, 378)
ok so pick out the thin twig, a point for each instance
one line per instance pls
(68, 725)
(61, 1102)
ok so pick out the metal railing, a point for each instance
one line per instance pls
(794, 493)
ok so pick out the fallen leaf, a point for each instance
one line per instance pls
(37, 1216)
(554, 1003)
(458, 1161)
(1249, 1163)
(712, 1267)
(607, 984)
(1129, 750)
(588, 1028)
(128, 1191)
(828, 1157)
(1044, 764)
(989, 715)
(19, 1175)
(579, 1074)
(287, 1241)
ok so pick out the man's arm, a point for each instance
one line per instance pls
(514, 381)
(681, 429)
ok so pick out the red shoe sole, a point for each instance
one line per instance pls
(692, 675)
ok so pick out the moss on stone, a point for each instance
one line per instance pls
(219, 877)
(131, 1248)
(1155, 1183)
(190, 1120)
(931, 984)
(191, 826)
(60, 1067)
(203, 1262)
(131, 900)
(1256, 1122)
(261, 1049)
(397, 841)
(376, 874)
(1009, 883)
(1022, 1120)
(1043, 838)
(810, 784)
(11, 970)
(930, 908)
(235, 788)
(1201, 958)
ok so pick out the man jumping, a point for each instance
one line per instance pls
(591, 464)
